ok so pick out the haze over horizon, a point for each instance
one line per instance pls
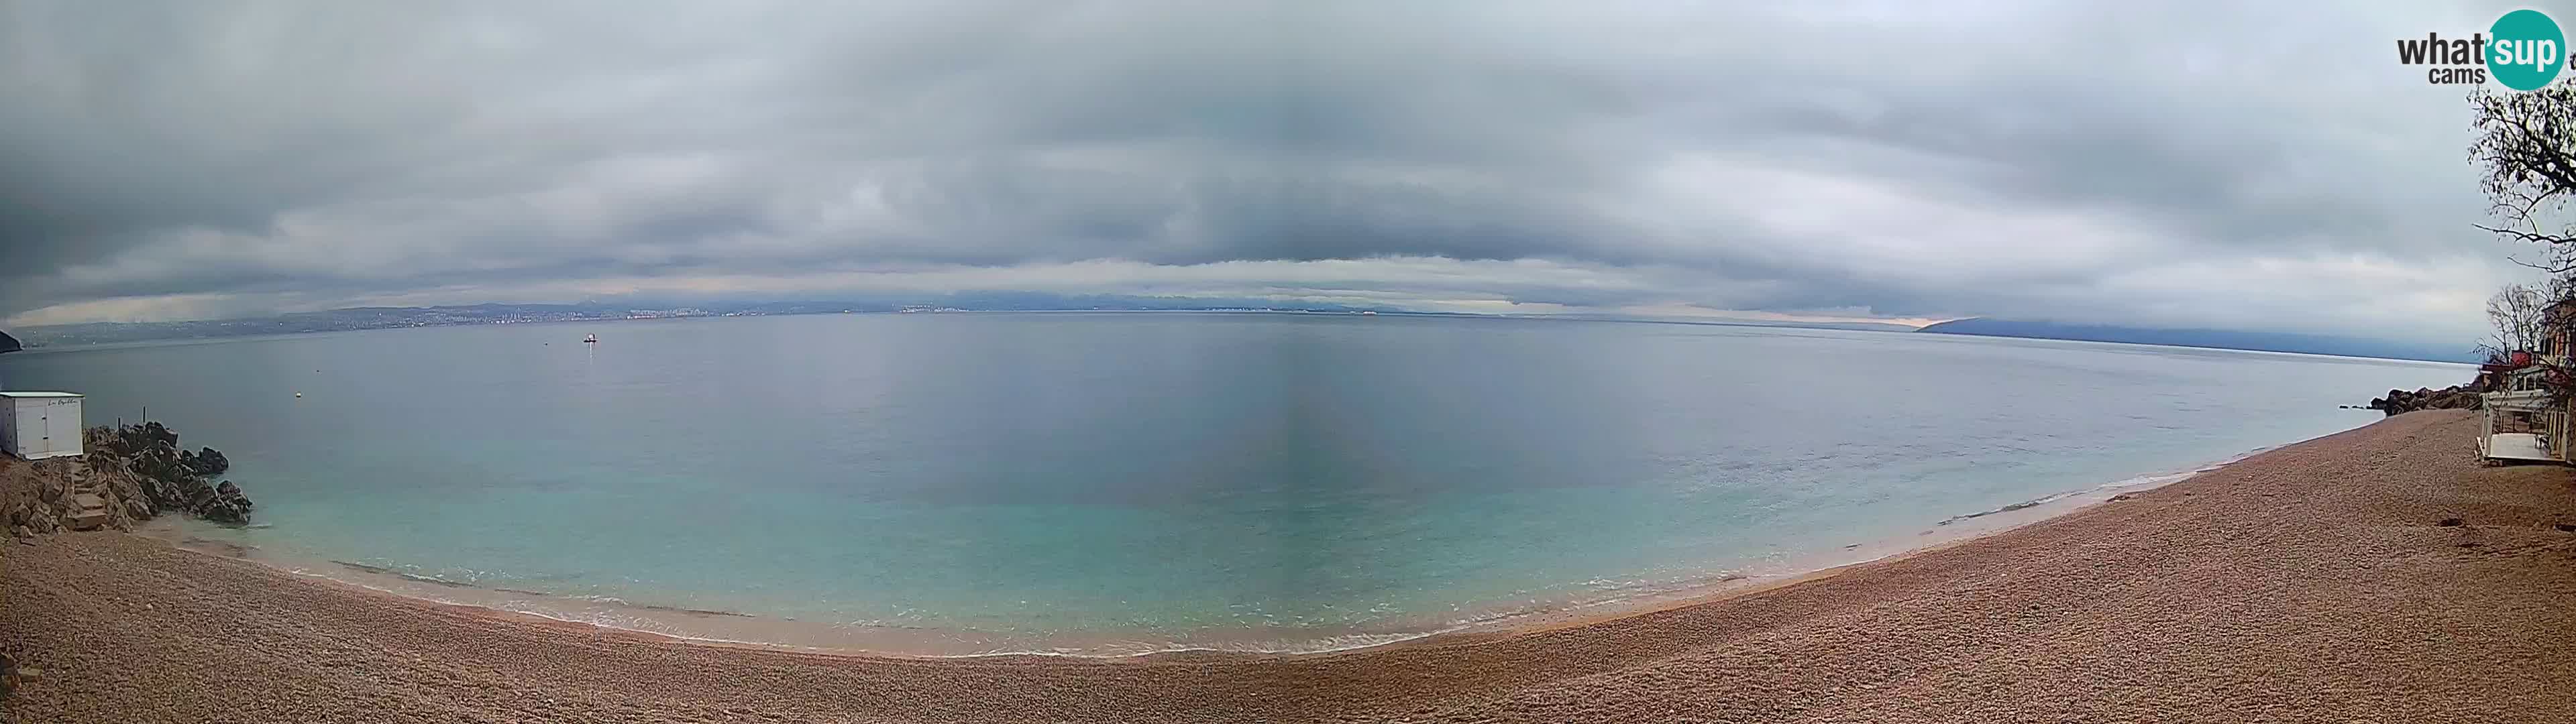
(2186, 165)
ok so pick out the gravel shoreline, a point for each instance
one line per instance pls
(2314, 582)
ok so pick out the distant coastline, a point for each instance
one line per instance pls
(2207, 339)
(366, 318)
(361, 318)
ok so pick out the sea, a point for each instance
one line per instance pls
(1131, 482)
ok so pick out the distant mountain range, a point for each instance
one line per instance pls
(2212, 338)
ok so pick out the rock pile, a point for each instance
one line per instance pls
(127, 475)
(2455, 397)
(170, 477)
(53, 495)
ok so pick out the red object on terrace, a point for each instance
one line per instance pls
(2521, 358)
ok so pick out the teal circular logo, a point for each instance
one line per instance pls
(2525, 50)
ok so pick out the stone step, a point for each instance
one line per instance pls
(89, 519)
(88, 511)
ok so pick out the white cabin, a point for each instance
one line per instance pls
(39, 425)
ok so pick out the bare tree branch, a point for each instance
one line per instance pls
(2527, 145)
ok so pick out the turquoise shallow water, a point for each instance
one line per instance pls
(1168, 477)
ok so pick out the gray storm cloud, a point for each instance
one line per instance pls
(2198, 164)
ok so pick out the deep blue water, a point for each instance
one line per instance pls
(1167, 475)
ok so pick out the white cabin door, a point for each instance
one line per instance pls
(31, 429)
(57, 427)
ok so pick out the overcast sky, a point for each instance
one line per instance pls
(2217, 164)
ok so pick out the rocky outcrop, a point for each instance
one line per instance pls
(128, 475)
(2455, 397)
(172, 478)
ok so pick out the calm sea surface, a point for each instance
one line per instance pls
(1167, 478)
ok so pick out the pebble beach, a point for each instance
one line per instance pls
(2376, 575)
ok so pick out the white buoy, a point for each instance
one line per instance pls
(299, 394)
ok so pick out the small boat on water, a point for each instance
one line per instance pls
(590, 339)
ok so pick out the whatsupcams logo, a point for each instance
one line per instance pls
(2524, 50)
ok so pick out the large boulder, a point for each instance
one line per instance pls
(222, 504)
(205, 461)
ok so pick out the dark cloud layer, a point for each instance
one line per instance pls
(2171, 163)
